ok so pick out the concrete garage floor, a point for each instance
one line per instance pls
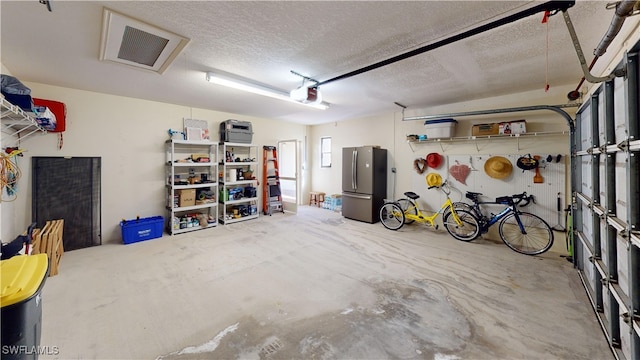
(317, 286)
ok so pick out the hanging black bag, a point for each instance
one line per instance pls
(527, 162)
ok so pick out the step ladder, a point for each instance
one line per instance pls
(271, 193)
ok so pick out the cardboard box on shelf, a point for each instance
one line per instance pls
(504, 128)
(485, 129)
(519, 127)
(513, 127)
(187, 197)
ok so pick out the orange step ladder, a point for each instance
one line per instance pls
(271, 193)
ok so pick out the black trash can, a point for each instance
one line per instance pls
(22, 280)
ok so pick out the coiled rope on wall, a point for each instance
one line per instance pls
(9, 174)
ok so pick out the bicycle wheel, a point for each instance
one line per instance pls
(408, 207)
(391, 216)
(467, 231)
(536, 238)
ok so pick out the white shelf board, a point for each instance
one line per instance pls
(192, 142)
(191, 164)
(188, 229)
(195, 207)
(231, 221)
(240, 201)
(237, 144)
(241, 182)
(481, 137)
(240, 163)
(194, 186)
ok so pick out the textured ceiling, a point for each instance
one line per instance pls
(264, 41)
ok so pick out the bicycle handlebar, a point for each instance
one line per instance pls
(444, 187)
(516, 199)
(523, 197)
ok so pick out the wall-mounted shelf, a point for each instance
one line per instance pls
(475, 139)
(17, 123)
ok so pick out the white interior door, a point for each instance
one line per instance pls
(288, 170)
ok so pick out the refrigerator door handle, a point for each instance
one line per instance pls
(364, 197)
(354, 170)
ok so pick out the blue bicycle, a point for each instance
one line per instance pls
(521, 231)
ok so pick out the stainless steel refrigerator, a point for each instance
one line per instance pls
(364, 182)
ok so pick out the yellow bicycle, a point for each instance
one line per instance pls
(461, 224)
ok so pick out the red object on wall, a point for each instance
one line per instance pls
(58, 108)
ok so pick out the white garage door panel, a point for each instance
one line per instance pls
(606, 302)
(589, 272)
(587, 223)
(602, 181)
(586, 188)
(625, 337)
(585, 128)
(620, 112)
(623, 264)
(604, 241)
(601, 128)
(633, 185)
(621, 186)
(613, 186)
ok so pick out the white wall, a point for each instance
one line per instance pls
(129, 136)
(389, 131)
(359, 132)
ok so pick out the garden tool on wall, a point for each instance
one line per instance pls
(558, 226)
(471, 164)
(537, 178)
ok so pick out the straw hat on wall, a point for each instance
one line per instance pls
(498, 167)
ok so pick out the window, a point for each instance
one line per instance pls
(325, 152)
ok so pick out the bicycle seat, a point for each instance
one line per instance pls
(411, 195)
(472, 195)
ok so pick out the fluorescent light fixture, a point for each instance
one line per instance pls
(248, 86)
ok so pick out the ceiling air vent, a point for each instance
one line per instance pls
(132, 42)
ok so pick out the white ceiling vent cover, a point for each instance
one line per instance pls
(132, 42)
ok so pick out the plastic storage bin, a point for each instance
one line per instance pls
(441, 128)
(141, 229)
(22, 279)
